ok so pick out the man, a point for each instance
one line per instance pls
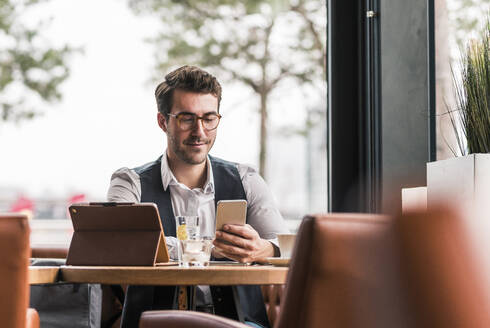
(186, 180)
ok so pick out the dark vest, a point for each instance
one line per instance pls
(227, 185)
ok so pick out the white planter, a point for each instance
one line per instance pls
(460, 181)
(414, 199)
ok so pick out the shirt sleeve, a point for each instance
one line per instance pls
(262, 212)
(125, 186)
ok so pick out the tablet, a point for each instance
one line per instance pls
(116, 234)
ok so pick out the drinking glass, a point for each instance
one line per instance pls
(194, 249)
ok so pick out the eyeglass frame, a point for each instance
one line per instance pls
(197, 118)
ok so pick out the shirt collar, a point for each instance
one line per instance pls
(169, 179)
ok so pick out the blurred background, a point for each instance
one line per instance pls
(77, 93)
(77, 82)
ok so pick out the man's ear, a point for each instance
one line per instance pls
(162, 122)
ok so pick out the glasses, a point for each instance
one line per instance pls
(186, 121)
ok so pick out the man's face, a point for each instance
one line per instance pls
(192, 146)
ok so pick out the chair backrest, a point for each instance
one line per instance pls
(443, 281)
(334, 278)
(417, 270)
(14, 261)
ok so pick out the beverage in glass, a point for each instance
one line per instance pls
(194, 249)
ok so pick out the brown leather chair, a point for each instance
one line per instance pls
(32, 319)
(441, 277)
(332, 281)
(14, 261)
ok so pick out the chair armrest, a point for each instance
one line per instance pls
(32, 318)
(186, 319)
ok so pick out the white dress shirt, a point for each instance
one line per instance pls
(262, 214)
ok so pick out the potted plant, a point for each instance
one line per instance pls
(466, 179)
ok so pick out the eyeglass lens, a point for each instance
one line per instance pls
(188, 120)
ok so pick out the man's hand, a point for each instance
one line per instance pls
(241, 243)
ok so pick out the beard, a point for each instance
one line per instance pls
(188, 155)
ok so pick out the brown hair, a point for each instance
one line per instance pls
(188, 78)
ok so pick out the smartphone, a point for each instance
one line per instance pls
(231, 212)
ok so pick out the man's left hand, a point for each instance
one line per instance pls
(242, 243)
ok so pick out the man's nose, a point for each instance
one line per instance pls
(198, 127)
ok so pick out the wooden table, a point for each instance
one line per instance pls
(228, 276)
(174, 275)
(43, 274)
(216, 275)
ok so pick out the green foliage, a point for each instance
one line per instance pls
(29, 67)
(235, 38)
(259, 43)
(465, 17)
(473, 95)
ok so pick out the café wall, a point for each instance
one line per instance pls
(404, 97)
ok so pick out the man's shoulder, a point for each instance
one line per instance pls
(147, 167)
(221, 162)
(243, 169)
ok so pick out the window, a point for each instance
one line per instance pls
(456, 24)
(106, 117)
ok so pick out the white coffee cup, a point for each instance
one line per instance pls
(286, 243)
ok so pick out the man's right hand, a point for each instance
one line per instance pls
(242, 243)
